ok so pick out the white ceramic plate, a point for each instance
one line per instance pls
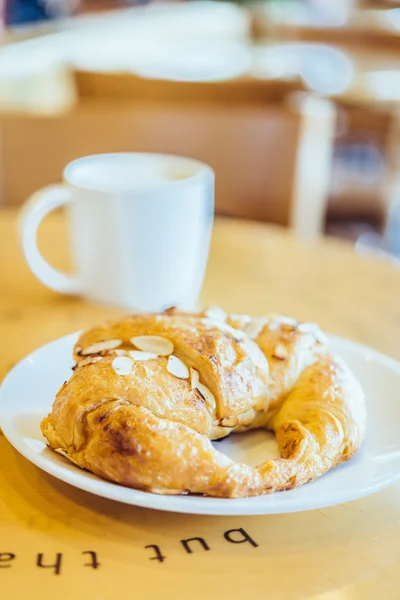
(27, 394)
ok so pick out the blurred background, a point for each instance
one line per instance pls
(295, 103)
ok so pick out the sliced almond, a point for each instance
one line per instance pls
(154, 344)
(285, 320)
(194, 378)
(321, 337)
(101, 347)
(280, 352)
(224, 327)
(121, 352)
(276, 320)
(178, 368)
(256, 354)
(229, 421)
(306, 327)
(242, 319)
(122, 365)
(215, 312)
(148, 370)
(200, 387)
(90, 360)
(139, 355)
(207, 395)
(254, 328)
(314, 330)
(239, 335)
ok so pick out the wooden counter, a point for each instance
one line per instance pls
(349, 552)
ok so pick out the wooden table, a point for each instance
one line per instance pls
(348, 552)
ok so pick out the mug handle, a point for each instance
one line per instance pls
(39, 205)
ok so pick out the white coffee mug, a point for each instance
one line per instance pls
(140, 226)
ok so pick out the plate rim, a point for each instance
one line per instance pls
(180, 504)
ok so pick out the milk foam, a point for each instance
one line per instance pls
(126, 172)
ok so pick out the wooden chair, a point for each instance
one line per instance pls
(372, 45)
(364, 28)
(270, 150)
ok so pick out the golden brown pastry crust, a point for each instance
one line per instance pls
(149, 429)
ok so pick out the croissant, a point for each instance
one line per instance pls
(150, 392)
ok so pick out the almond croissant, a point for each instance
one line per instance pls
(150, 392)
